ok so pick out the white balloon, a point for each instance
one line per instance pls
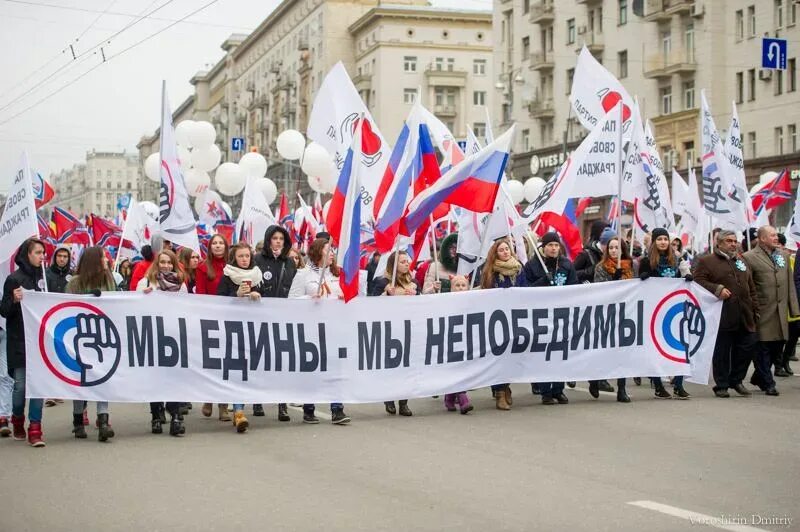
(185, 157)
(325, 209)
(516, 190)
(317, 161)
(197, 181)
(198, 201)
(206, 159)
(152, 167)
(182, 133)
(315, 183)
(268, 188)
(328, 183)
(254, 164)
(202, 135)
(291, 144)
(230, 179)
(533, 187)
(151, 209)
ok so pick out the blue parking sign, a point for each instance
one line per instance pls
(237, 144)
(773, 54)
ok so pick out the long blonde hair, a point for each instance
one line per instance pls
(152, 271)
(402, 279)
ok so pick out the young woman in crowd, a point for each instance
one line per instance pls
(607, 270)
(403, 285)
(552, 269)
(207, 279)
(320, 280)
(297, 258)
(190, 260)
(92, 277)
(240, 279)
(164, 275)
(500, 271)
(125, 271)
(28, 276)
(661, 261)
(458, 283)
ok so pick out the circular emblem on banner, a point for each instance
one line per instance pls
(535, 165)
(677, 326)
(79, 344)
(267, 275)
(40, 284)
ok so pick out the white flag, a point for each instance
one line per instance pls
(595, 91)
(717, 185)
(177, 221)
(686, 202)
(733, 146)
(332, 123)
(255, 216)
(137, 231)
(19, 217)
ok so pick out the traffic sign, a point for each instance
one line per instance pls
(237, 144)
(773, 53)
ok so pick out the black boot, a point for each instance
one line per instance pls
(104, 431)
(77, 426)
(594, 389)
(604, 386)
(258, 410)
(622, 392)
(155, 425)
(176, 427)
(404, 410)
(390, 408)
(283, 412)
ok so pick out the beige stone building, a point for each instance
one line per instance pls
(94, 186)
(665, 54)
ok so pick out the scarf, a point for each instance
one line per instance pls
(610, 266)
(507, 268)
(240, 275)
(168, 282)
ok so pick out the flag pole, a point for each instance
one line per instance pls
(477, 260)
(435, 253)
(619, 188)
(710, 233)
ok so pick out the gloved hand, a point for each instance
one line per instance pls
(617, 274)
(688, 278)
(644, 276)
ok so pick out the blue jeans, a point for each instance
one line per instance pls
(677, 382)
(309, 407)
(549, 389)
(18, 399)
(79, 406)
(238, 406)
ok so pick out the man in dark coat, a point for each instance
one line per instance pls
(725, 274)
(28, 276)
(58, 274)
(591, 254)
(278, 271)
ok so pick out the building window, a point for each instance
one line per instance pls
(479, 67)
(751, 21)
(739, 87)
(571, 31)
(451, 64)
(791, 129)
(778, 82)
(666, 155)
(666, 100)
(445, 96)
(688, 95)
(751, 85)
(438, 63)
(740, 24)
(410, 63)
(791, 75)
(688, 150)
(108, 197)
(99, 174)
(108, 183)
(549, 37)
(779, 140)
(526, 48)
(622, 61)
(479, 128)
(98, 196)
(751, 141)
(129, 185)
(526, 6)
(792, 14)
(409, 96)
(479, 98)
(778, 13)
(526, 140)
(623, 12)
(689, 43)
(570, 77)
(99, 184)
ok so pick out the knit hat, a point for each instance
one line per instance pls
(657, 232)
(607, 235)
(549, 238)
(597, 229)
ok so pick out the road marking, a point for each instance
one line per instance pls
(321, 415)
(722, 522)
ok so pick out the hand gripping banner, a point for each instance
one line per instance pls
(134, 347)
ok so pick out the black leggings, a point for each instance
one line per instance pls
(158, 407)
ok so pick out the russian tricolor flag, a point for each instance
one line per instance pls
(472, 184)
(412, 167)
(344, 218)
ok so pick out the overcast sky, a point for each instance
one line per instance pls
(113, 105)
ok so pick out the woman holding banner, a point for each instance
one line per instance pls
(500, 271)
(320, 280)
(207, 279)
(397, 282)
(164, 275)
(661, 261)
(190, 260)
(240, 279)
(93, 276)
(616, 265)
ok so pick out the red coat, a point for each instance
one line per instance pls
(139, 271)
(202, 284)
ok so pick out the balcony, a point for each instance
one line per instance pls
(541, 61)
(444, 111)
(363, 82)
(665, 65)
(663, 10)
(542, 108)
(289, 109)
(594, 42)
(440, 77)
(542, 13)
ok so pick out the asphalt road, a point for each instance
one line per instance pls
(572, 467)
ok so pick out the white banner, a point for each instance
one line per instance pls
(19, 216)
(135, 347)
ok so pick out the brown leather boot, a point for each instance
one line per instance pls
(507, 391)
(206, 410)
(501, 400)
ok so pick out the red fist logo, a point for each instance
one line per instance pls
(609, 99)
